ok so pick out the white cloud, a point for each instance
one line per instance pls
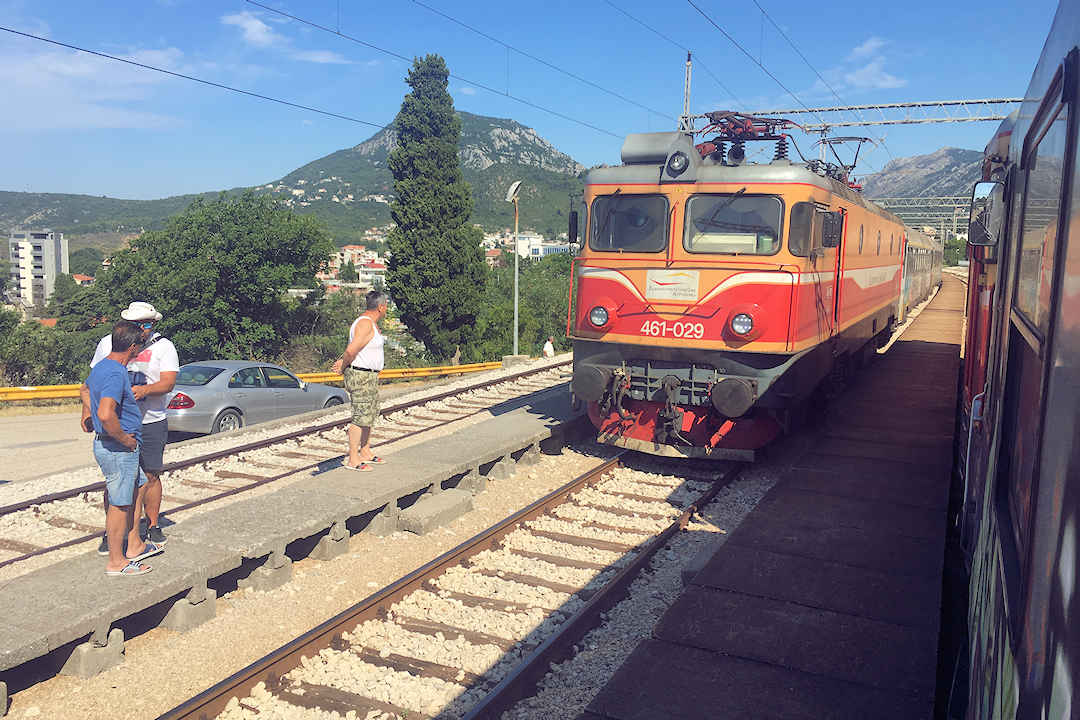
(72, 90)
(867, 49)
(466, 90)
(256, 33)
(320, 56)
(872, 76)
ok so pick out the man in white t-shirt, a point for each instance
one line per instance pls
(549, 348)
(153, 376)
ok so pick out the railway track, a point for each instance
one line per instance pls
(47, 523)
(471, 632)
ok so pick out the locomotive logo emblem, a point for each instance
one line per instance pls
(671, 285)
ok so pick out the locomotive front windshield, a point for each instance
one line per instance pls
(629, 223)
(733, 224)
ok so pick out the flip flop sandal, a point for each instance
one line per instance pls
(362, 467)
(151, 549)
(376, 460)
(132, 568)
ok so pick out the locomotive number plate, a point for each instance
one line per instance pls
(663, 328)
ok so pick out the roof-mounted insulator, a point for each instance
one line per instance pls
(781, 149)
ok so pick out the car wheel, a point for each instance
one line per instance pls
(227, 420)
(332, 401)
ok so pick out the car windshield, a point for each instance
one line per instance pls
(629, 223)
(197, 374)
(733, 224)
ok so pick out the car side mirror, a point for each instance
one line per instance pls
(572, 230)
(832, 229)
(987, 213)
(303, 386)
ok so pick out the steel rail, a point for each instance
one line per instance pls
(52, 497)
(272, 667)
(266, 442)
(521, 682)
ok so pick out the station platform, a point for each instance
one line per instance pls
(825, 602)
(69, 618)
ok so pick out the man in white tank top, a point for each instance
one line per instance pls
(360, 364)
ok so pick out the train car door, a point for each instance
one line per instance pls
(841, 249)
(828, 264)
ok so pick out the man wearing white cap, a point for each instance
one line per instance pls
(153, 375)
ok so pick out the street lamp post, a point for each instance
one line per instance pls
(512, 196)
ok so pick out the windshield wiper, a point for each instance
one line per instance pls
(608, 214)
(733, 198)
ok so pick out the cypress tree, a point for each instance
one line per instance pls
(436, 271)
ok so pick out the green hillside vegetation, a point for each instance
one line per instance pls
(495, 152)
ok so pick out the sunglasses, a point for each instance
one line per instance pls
(146, 325)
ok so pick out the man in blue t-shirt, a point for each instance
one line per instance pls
(116, 419)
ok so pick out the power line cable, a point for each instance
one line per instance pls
(523, 53)
(682, 47)
(745, 52)
(799, 53)
(211, 83)
(401, 57)
(856, 113)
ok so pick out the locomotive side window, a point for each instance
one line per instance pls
(629, 223)
(805, 229)
(733, 224)
(860, 239)
(878, 242)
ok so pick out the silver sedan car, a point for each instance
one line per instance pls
(220, 395)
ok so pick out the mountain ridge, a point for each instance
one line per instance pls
(349, 189)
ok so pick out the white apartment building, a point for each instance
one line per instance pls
(533, 246)
(36, 258)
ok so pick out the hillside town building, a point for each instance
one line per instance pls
(36, 257)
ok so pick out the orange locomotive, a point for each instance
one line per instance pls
(712, 296)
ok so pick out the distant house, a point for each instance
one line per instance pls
(47, 322)
(494, 258)
(82, 279)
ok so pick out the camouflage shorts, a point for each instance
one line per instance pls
(363, 389)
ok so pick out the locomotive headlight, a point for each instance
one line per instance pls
(742, 324)
(677, 163)
(598, 316)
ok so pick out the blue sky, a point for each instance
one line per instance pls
(78, 123)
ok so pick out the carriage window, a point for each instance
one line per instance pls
(1034, 276)
(860, 239)
(805, 229)
(629, 223)
(890, 243)
(733, 224)
(878, 242)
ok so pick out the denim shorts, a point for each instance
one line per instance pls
(120, 467)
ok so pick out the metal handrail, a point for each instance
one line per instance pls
(52, 392)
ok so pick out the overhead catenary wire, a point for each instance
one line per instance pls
(681, 46)
(543, 62)
(459, 78)
(747, 53)
(192, 78)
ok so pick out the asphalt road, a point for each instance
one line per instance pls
(35, 445)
